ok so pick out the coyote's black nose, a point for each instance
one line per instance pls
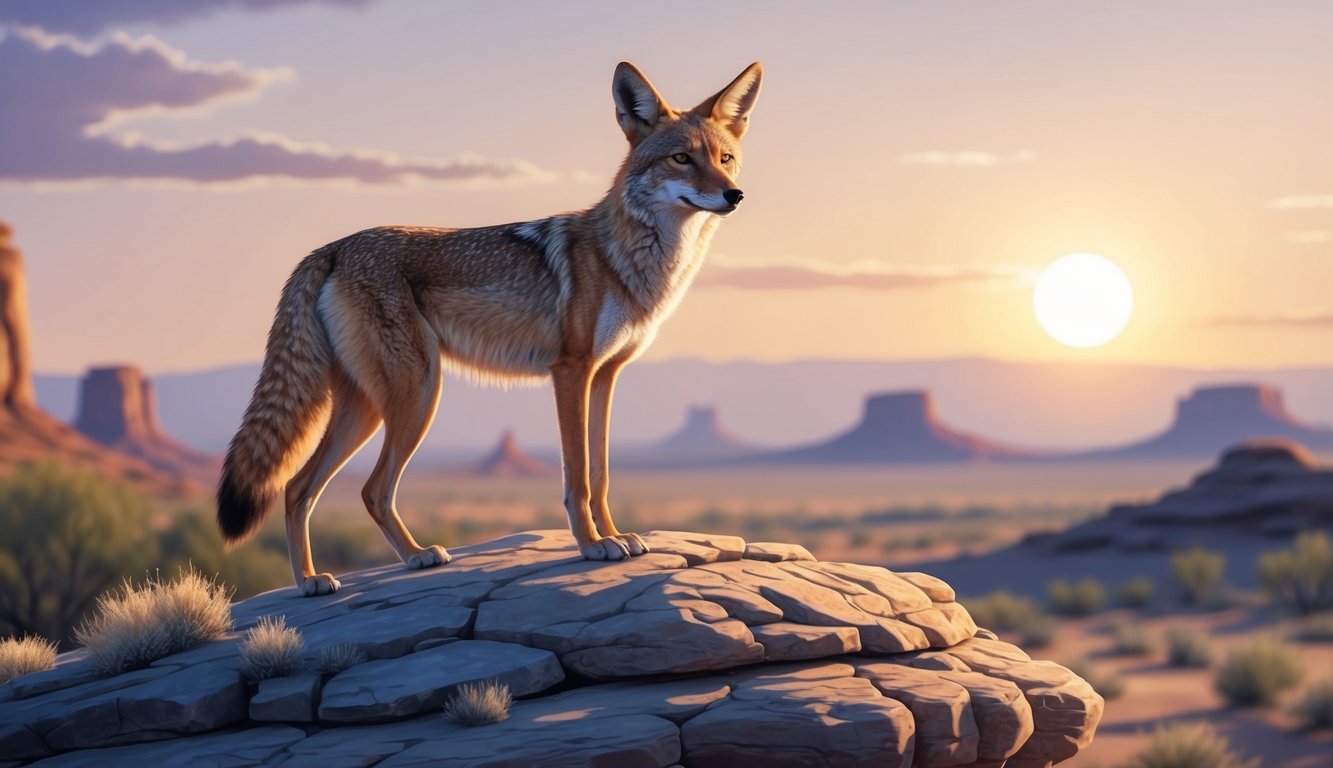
(733, 196)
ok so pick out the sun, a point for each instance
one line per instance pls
(1083, 300)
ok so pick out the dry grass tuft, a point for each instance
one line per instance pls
(1189, 745)
(340, 657)
(135, 625)
(271, 649)
(22, 656)
(480, 704)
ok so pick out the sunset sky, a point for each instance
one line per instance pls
(910, 167)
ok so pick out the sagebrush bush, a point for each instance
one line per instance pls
(1006, 612)
(340, 657)
(1109, 684)
(1082, 598)
(135, 625)
(1301, 576)
(1187, 648)
(1135, 593)
(1254, 674)
(1198, 571)
(271, 649)
(1189, 745)
(1315, 708)
(24, 655)
(1129, 639)
(479, 704)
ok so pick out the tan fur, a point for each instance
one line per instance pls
(367, 324)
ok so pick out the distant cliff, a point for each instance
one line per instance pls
(508, 460)
(897, 427)
(701, 440)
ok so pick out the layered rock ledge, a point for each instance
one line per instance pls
(706, 652)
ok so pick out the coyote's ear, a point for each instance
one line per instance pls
(732, 105)
(638, 104)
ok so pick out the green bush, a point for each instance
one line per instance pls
(1135, 593)
(1253, 675)
(1187, 648)
(136, 625)
(1189, 745)
(1129, 639)
(1198, 571)
(1004, 611)
(1083, 598)
(1315, 708)
(66, 536)
(1037, 632)
(1301, 576)
(1315, 629)
(1109, 685)
(22, 656)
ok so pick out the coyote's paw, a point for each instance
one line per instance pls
(428, 558)
(605, 549)
(319, 584)
(634, 542)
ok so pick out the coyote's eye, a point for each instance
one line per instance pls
(726, 158)
(682, 158)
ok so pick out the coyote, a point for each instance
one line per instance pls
(366, 325)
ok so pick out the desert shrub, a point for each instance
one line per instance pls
(1189, 745)
(1315, 708)
(271, 649)
(1082, 598)
(24, 655)
(1301, 576)
(1129, 639)
(1135, 593)
(1198, 571)
(134, 625)
(340, 657)
(1004, 611)
(1187, 648)
(1109, 685)
(1037, 633)
(1253, 675)
(1315, 629)
(66, 536)
(479, 704)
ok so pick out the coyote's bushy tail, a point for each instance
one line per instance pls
(289, 407)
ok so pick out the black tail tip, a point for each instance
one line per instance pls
(239, 511)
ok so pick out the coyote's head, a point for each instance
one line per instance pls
(683, 161)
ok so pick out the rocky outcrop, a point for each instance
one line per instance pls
(28, 433)
(708, 651)
(1211, 418)
(898, 428)
(118, 408)
(508, 460)
(1258, 489)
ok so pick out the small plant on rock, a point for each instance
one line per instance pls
(340, 657)
(271, 649)
(479, 704)
(1189, 745)
(1253, 675)
(1082, 598)
(1187, 648)
(1316, 706)
(1198, 571)
(136, 625)
(25, 655)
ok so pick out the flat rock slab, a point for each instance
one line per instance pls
(424, 681)
(707, 651)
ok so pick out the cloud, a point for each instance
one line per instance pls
(967, 158)
(1310, 237)
(61, 97)
(1318, 317)
(875, 275)
(86, 17)
(1294, 202)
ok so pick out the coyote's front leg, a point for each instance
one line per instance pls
(573, 380)
(599, 438)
